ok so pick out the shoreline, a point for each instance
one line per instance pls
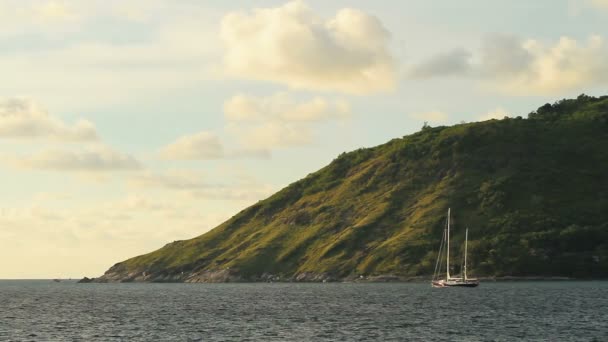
(373, 279)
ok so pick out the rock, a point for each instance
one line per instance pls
(314, 277)
(214, 276)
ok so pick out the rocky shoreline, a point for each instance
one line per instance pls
(231, 276)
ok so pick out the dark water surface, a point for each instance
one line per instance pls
(530, 311)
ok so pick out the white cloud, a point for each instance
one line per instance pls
(49, 17)
(208, 146)
(600, 3)
(53, 11)
(567, 65)
(87, 66)
(173, 179)
(27, 16)
(259, 125)
(434, 116)
(193, 184)
(94, 159)
(294, 46)
(455, 62)
(135, 202)
(21, 118)
(515, 66)
(498, 114)
(272, 135)
(199, 146)
(282, 106)
(98, 233)
(33, 212)
(279, 121)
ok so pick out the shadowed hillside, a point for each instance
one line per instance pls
(533, 192)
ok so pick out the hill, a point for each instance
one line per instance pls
(533, 192)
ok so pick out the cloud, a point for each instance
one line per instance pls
(21, 118)
(52, 11)
(97, 233)
(135, 202)
(97, 159)
(455, 62)
(600, 3)
(432, 116)
(33, 212)
(282, 106)
(515, 66)
(20, 16)
(258, 125)
(199, 146)
(193, 184)
(499, 56)
(101, 59)
(294, 46)
(276, 134)
(208, 146)
(173, 179)
(567, 65)
(504, 55)
(279, 120)
(498, 114)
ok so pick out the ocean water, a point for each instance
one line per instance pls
(509, 311)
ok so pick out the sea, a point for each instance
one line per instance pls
(43, 310)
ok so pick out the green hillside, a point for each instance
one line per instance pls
(533, 192)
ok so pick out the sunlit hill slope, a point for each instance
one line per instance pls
(533, 192)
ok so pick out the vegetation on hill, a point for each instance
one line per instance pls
(533, 192)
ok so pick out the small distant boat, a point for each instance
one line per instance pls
(463, 280)
(57, 280)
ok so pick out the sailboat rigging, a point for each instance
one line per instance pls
(463, 280)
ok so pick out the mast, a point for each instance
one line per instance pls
(439, 255)
(448, 248)
(466, 240)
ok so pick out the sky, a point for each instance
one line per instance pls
(126, 125)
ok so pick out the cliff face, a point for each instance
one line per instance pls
(533, 192)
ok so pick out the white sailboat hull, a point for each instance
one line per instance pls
(455, 283)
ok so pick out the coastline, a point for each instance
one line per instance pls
(322, 278)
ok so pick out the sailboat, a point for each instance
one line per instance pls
(463, 280)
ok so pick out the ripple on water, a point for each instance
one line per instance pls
(549, 311)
